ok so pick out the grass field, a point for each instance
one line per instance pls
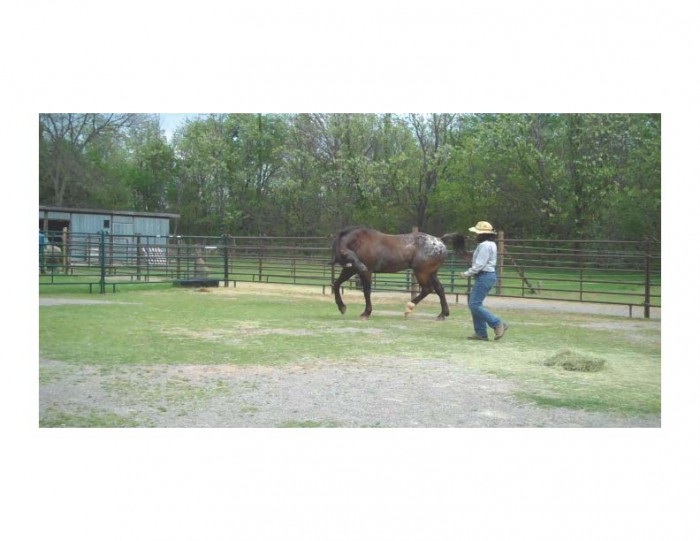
(256, 325)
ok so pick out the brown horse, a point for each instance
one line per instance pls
(363, 251)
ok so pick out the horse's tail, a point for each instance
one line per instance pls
(458, 241)
(335, 256)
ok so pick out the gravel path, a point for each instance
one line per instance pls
(400, 393)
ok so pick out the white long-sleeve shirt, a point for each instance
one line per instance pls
(484, 259)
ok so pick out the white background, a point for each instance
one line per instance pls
(361, 56)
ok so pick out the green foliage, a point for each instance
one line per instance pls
(532, 175)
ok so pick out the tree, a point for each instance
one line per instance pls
(433, 151)
(259, 150)
(598, 150)
(635, 206)
(150, 166)
(64, 140)
(201, 192)
(341, 149)
(542, 175)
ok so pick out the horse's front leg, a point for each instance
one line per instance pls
(345, 274)
(425, 290)
(366, 278)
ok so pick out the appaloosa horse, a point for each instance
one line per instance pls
(362, 251)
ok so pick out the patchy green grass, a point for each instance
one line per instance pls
(94, 419)
(276, 325)
(309, 424)
(169, 394)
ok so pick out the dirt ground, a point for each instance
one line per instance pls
(401, 393)
(393, 392)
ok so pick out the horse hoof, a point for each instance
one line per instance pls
(409, 309)
(342, 309)
(441, 317)
(364, 317)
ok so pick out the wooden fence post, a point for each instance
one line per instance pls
(502, 251)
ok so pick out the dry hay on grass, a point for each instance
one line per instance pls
(569, 359)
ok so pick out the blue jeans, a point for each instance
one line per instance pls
(483, 283)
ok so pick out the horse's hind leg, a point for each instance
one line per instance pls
(345, 274)
(437, 287)
(352, 258)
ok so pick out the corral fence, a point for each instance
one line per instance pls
(591, 271)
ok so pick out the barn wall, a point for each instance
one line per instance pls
(89, 223)
(118, 224)
(151, 226)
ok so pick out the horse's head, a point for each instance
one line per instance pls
(457, 240)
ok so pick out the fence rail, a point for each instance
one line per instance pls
(609, 272)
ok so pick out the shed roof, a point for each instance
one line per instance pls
(110, 212)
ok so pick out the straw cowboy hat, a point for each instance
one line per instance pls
(483, 228)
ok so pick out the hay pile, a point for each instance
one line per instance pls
(569, 359)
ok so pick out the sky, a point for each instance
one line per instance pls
(171, 121)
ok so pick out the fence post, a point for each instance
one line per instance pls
(502, 251)
(580, 282)
(647, 280)
(103, 262)
(178, 260)
(261, 251)
(65, 250)
(452, 272)
(146, 251)
(111, 253)
(224, 238)
(139, 256)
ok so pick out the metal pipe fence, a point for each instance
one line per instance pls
(609, 272)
